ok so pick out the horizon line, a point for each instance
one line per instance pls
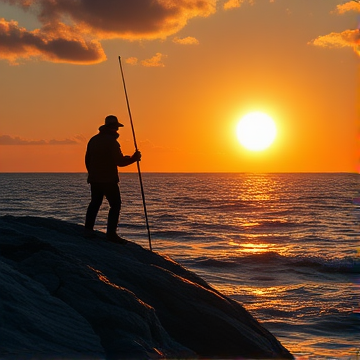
(186, 172)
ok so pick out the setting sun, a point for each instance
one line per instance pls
(256, 131)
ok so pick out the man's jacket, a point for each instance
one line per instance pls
(103, 156)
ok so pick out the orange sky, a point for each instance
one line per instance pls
(192, 69)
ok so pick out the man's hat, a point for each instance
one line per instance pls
(112, 121)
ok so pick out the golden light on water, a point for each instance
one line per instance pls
(251, 247)
(253, 244)
(250, 224)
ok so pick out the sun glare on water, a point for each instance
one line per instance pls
(256, 131)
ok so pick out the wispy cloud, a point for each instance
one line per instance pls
(131, 60)
(189, 40)
(15, 140)
(155, 61)
(232, 4)
(72, 31)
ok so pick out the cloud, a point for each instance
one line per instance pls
(132, 60)
(348, 6)
(338, 40)
(8, 140)
(348, 38)
(16, 42)
(155, 61)
(232, 4)
(72, 31)
(186, 41)
(62, 142)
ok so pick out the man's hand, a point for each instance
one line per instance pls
(136, 156)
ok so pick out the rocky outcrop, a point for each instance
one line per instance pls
(63, 295)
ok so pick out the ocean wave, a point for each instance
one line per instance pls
(223, 263)
(346, 265)
(193, 201)
(167, 217)
(171, 234)
(240, 205)
(209, 227)
(277, 223)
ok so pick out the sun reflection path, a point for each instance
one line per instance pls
(252, 248)
(256, 246)
(259, 188)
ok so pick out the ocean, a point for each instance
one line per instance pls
(286, 246)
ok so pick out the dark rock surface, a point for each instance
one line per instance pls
(63, 295)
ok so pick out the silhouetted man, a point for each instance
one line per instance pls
(103, 156)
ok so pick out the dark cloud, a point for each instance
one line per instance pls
(8, 140)
(124, 18)
(17, 42)
(72, 30)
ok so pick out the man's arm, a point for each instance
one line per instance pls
(125, 160)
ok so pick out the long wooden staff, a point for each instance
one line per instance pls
(136, 148)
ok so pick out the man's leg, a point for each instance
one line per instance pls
(97, 195)
(112, 194)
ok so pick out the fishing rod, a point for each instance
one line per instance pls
(136, 148)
